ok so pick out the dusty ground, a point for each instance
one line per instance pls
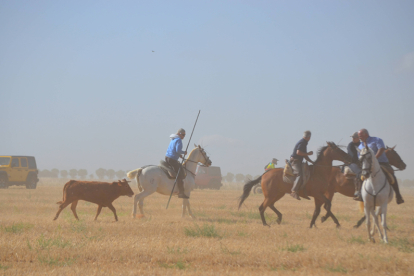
(220, 241)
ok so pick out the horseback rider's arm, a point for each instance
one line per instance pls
(380, 152)
(179, 148)
(305, 155)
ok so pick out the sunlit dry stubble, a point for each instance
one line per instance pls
(222, 240)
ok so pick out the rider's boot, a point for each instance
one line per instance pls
(305, 194)
(357, 194)
(180, 186)
(396, 189)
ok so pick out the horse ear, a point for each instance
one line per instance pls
(199, 147)
(195, 145)
(394, 147)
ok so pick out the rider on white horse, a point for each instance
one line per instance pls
(377, 145)
(174, 151)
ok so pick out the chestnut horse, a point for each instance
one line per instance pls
(340, 184)
(274, 188)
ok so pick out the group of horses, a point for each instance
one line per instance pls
(325, 181)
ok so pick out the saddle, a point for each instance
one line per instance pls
(289, 176)
(348, 173)
(388, 175)
(169, 170)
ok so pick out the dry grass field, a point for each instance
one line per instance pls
(220, 241)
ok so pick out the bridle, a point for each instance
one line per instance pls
(206, 158)
(361, 159)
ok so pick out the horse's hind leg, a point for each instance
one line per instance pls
(359, 222)
(262, 208)
(140, 198)
(279, 214)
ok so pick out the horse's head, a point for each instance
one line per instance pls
(337, 153)
(394, 158)
(200, 156)
(365, 157)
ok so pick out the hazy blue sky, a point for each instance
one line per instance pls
(80, 85)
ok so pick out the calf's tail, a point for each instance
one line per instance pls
(247, 189)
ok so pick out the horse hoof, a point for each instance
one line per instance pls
(279, 221)
(338, 226)
(356, 226)
(266, 225)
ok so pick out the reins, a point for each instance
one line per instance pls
(375, 196)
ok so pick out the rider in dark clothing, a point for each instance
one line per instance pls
(300, 152)
(355, 166)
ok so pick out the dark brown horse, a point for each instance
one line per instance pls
(274, 188)
(341, 184)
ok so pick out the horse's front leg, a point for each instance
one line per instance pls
(384, 222)
(184, 208)
(368, 219)
(189, 209)
(318, 204)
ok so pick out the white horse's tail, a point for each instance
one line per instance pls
(135, 173)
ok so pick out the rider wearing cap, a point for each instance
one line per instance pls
(300, 152)
(271, 165)
(377, 145)
(174, 151)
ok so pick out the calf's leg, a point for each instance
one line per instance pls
(98, 212)
(73, 208)
(110, 206)
(61, 207)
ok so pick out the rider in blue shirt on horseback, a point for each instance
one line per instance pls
(377, 145)
(174, 151)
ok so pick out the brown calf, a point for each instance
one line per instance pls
(101, 193)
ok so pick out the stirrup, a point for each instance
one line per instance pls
(358, 197)
(294, 195)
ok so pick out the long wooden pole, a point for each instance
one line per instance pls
(178, 173)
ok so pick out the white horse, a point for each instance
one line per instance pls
(376, 191)
(153, 179)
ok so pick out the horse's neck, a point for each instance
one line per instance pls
(324, 164)
(190, 163)
(377, 175)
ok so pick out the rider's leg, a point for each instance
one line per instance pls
(395, 187)
(297, 170)
(358, 185)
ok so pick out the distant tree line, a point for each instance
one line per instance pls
(83, 174)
